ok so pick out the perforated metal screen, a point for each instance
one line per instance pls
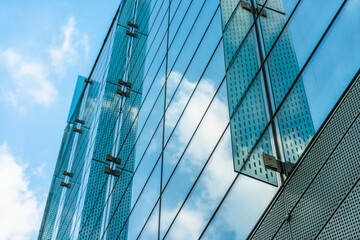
(322, 195)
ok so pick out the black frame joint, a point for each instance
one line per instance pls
(110, 158)
(270, 162)
(247, 6)
(67, 185)
(79, 121)
(110, 171)
(69, 174)
(132, 24)
(126, 84)
(88, 81)
(77, 130)
(122, 93)
(262, 13)
(134, 35)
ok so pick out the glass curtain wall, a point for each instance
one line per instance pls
(184, 98)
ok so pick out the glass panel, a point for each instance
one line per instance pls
(189, 68)
(274, 21)
(143, 205)
(237, 22)
(332, 67)
(151, 114)
(191, 160)
(156, 41)
(242, 207)
(183, 48)
(174, 8)
(203, 199)
(283, 69)
(201, 94)
(146, 162)
(150, 230)
(186, 14)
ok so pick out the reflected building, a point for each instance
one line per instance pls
(254, 95)
(95, 160)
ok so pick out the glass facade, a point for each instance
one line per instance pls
(165, 137)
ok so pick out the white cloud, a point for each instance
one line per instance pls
(191, 224)
(20, 211)
(243, 205)
(69, 47)
(210, 129)
(39, 171)
(30, 81)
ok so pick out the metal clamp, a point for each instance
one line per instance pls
(110, 158)
(88, 81)
(67, 185)
(66, 173)
(110, 171)
(270, 162)
(245, 5)
(262, 13)
(77, 130)
(79, 121)
(134, 35)
(126, 84)
(122, 93)
(132, 24)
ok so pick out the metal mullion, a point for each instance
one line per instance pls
(182, 47)
(156, 33)
(164, 118)
(151, 212)
(161, 22)
(185, 148)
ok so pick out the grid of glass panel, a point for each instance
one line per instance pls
(213, 85)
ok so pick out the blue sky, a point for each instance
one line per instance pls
(44, 45)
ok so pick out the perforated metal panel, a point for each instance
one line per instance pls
(322, 193)
(273, 220)
(284, 232)
(52, 204)
(248, 106)
(345, 223)
(71, 197)
(247, 109)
